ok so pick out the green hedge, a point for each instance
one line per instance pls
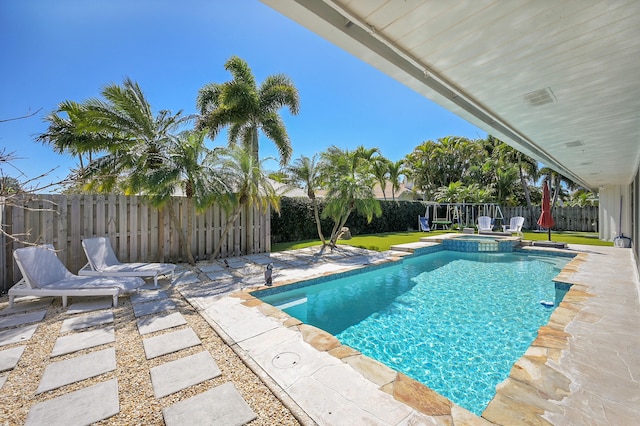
(295, 221)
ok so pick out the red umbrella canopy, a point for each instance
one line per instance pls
(546, 221)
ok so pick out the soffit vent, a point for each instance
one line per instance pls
(573, 144)
(540, 97)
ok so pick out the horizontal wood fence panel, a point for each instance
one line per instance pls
(138, 231)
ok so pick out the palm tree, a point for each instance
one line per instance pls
(349, 182)
(306, 172)
(187, 168)
(249, 185)
(247, 108)
(65, 135)
(555, 181)
(138, 145)
(527, 166)
(380, 169)
(396, 169)
(453, 193)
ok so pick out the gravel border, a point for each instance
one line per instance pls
(138, 405)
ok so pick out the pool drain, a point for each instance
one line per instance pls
(286, 360)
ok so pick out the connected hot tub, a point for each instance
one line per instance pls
(480, 243)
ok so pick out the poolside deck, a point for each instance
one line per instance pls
(582, 369)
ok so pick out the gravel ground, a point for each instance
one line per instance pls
(138, 405)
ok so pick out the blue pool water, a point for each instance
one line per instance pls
(454, 321)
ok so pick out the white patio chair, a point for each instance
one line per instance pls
(43, 274)
(484, 224)
(515, 225)
(102, 261)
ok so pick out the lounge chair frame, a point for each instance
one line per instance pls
(65, 287)
(115, 268)
(21, 288)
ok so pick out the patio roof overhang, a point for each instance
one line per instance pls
(558, 81)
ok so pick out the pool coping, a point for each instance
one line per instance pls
(401, 387)
(535, 391)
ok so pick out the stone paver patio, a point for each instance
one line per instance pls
(582, 369)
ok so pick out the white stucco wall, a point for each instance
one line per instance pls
(610, 197)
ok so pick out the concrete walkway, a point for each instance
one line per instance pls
(583, 369)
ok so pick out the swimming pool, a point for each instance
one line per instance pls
(454, 321)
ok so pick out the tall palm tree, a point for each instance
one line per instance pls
(249, 185)
(247, 108)
(349, 182)
(306, 172)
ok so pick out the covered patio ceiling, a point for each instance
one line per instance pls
(558, 80)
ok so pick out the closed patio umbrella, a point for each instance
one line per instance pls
(546, 220)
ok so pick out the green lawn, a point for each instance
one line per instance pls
(382, 242)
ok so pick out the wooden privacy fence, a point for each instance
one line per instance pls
(138, 232)
(584, 219)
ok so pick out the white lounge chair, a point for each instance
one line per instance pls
(484, 224)
(103, 262)
(43, 274)
(515, 225)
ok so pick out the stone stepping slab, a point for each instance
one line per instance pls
(76, 369)
(148, 325)
(83, 340)
(154, 307)
(27, 305)
(185, 277)
(9, 358)
(91, 319)
(220, 406)
(176, 375)
(3, 379)
(211, 268)
(15, 335)
(148, 296)
(164, 321)
(21, 319)
(170, 342)
(82, 407)
(90, 305)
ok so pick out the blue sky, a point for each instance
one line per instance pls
(59, 50)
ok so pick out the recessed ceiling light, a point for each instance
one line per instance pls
(573, 144)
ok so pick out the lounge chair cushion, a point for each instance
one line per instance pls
(102, 259)
(41, 268)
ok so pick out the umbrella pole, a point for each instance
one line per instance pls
(549, 233)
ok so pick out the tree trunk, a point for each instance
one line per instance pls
(316, 216)
(338, 227)
(190, 211)
(254, 145)
(182, 244)
(523, 181)
(227, 227)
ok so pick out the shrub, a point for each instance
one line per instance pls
(295, 221)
